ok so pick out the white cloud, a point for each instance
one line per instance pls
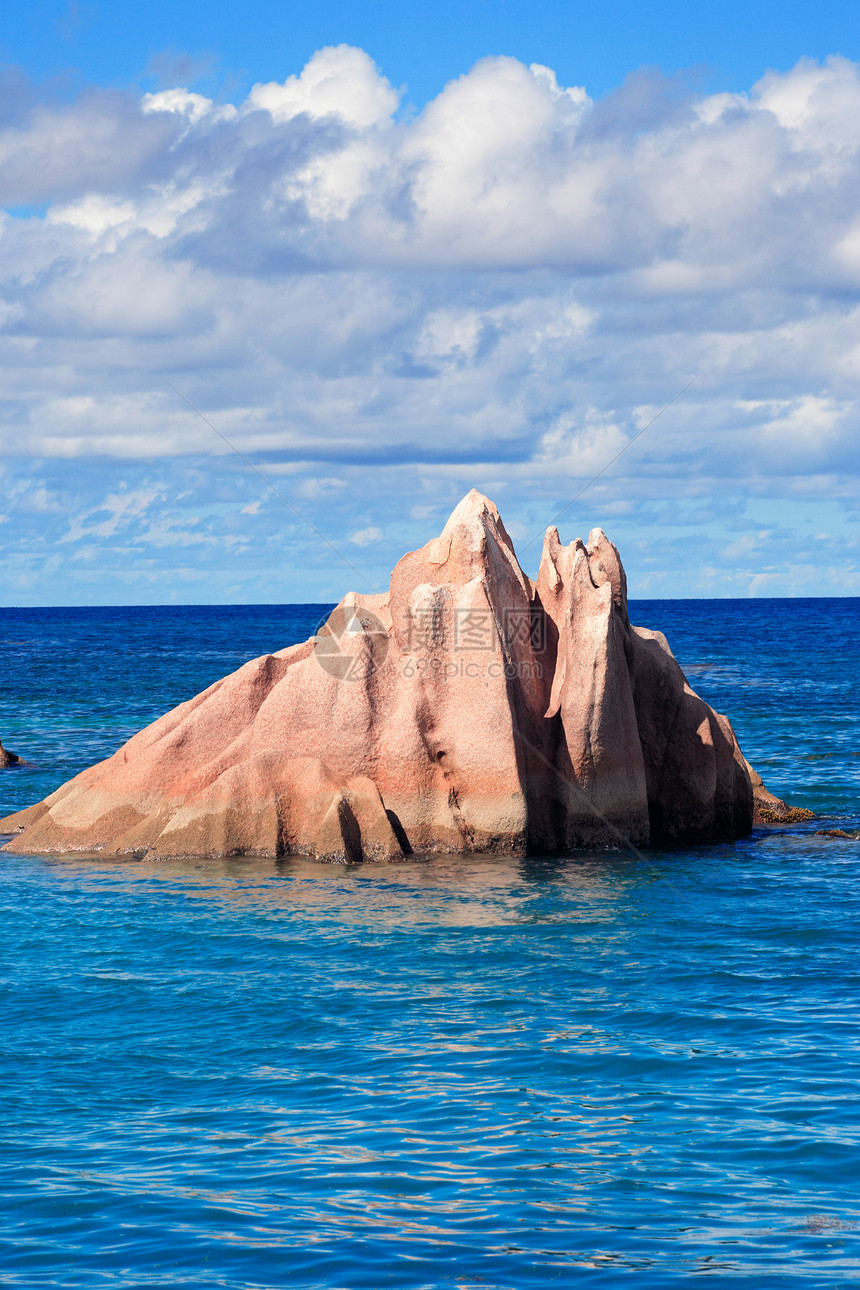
(115, 510)
(108, 221)
(580, 448)
(338, 81)
(450, 334)
(195, 107)
(364, 537)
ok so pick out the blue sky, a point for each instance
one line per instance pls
(396, 252)
(422, 45)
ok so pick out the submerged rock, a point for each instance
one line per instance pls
(465, 709)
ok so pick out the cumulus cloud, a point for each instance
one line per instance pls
(338, 81)
(193, 107)
(384, 309)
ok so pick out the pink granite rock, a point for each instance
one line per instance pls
(583, 591)
(466, 709)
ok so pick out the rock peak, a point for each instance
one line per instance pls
(473, 544)
(473, 504)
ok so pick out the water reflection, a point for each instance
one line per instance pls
(456, 891)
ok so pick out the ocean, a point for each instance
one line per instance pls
(602, 1068)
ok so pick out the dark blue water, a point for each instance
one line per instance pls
(459, 1073)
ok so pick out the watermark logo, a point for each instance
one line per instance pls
(470, 668)
(351, 643)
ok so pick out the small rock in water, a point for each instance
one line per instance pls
(787, 815)
(836, 833)
(8, 758)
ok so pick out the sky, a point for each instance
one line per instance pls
(602, 260)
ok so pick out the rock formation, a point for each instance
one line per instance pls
(8, 758)
(466, 709)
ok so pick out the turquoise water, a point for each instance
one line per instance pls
(466, 1073)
